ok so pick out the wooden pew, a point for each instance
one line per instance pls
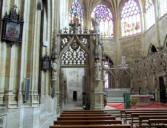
(86, 122)
(93, 126)
(83, 111)
(135, 116)
(87, 118)
(96, 112)
(85, 115)
(147, 117)
(123, 111)
(77, 111)
(128, 113)
(157, 122)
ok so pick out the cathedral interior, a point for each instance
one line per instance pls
(62, 54)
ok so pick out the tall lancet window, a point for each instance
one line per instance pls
(76, 12)
(162, 7)
(149, 13)
(130, 18)
(102, 20)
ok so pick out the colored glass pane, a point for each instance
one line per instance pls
(130, 18)
(76, 12)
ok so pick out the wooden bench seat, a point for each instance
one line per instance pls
(128, 113)
(93, 126)
(123, 112)
(81, 112)
(132, 116)
(86, 115)
(86, 122)
(157, 122)
(135, 116)
(87, 118)
(147, 117)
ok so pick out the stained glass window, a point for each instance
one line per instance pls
(149, 14)
(162, 7)
(76, 12)
(102, 20)
(130, 18)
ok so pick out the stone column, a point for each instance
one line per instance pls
(96, 82)
(56, 80)
(35, 58)
(24, 49)
(8, 65)
(4, 56)
(12, 92)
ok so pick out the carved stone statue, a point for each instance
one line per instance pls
(95, 24)
(54, 70)
(98, 48)
(98, 67)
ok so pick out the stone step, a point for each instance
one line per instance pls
(115, 99)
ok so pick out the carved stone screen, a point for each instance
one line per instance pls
(75, 54)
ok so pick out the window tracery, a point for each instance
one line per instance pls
(104, 18)
(130, 18)
(149, 13)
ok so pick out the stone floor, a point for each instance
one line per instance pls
(78, 105)
(73, 105)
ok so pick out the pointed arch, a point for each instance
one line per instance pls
(130, 15)
(102, 18)
(149, 13)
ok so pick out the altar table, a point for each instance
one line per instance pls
(143, 100)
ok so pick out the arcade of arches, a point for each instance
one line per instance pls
(64, 52)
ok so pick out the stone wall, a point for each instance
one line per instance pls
(145, 73)
(21, 62)
(74, 79)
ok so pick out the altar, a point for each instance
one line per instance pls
(142, 100)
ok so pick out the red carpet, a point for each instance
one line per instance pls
(153, 105)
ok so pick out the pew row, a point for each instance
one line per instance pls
(93, 126)
(86, 122)
(87, 118)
